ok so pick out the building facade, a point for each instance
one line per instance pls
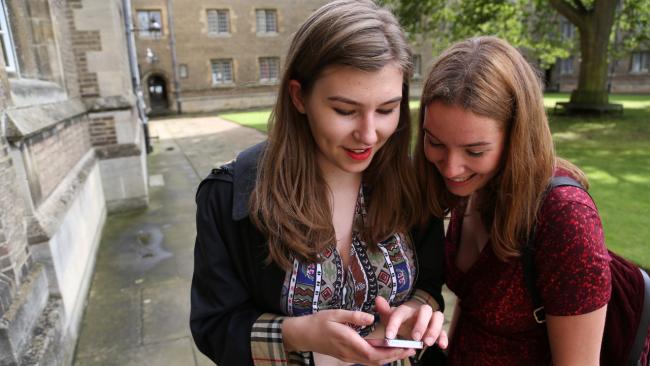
(71, 151)
(227, 54)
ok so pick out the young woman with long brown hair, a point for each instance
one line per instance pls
(304, 246)
(485, 157)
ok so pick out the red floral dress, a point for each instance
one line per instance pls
(496, 326)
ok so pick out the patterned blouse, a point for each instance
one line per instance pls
(388, 271)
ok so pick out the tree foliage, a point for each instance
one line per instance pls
(532, 25)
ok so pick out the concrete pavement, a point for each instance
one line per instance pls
(138, 307)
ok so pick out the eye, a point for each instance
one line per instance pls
(385, 111)
(475, 154)
(432, 142)
(343, 112)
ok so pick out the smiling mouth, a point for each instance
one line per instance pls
(359, 154)
(461, 179)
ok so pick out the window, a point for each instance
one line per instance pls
(182, 71)
(149, 23)
(417, 66)
(221, 72)
(640, 61)
(6, 41)
(566, 66)
(218, 21)
(267, 21)
(269, 69)
(567, 29)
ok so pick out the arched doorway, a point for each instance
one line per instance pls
(157, 89)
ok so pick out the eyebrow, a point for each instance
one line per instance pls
(473, 144)
(352, 102)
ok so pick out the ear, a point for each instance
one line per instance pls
(295, 92)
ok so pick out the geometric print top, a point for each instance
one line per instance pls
(389, 272)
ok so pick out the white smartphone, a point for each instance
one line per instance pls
(396, 343)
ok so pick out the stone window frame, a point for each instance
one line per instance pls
(269, 68)
(263, 25)
(218, 21)
(639, 62)
(214, 71)
(143, 29)
(6, 40)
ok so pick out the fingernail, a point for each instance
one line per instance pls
(390, 334)
(429, 341)
(417, 336)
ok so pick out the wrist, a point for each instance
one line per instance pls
(292, 336)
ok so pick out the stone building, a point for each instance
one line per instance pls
(228, 54)
(71, 151)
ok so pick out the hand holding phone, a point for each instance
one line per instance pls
(395, 343)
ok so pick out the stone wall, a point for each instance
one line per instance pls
(68, 142)
(69, 132)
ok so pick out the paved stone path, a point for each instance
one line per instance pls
(138, 307)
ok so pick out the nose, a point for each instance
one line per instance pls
(366, 130)
(451, 164)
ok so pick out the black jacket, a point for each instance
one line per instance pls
(232, 286)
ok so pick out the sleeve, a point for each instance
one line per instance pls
(225, 324)
(572, 259)
(429, 247)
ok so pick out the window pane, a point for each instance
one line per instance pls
(148, 20)
(221, 71)
(4, 50)
(271, 24)
(143, 20)
(5, 41)
(261, 20)
(223, 26)
(212, 21)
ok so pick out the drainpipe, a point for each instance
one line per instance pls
(135, 73)
(172, 47)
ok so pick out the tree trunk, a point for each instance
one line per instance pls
(594, 27)
(594, 41)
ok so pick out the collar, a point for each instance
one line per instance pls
(244, 175)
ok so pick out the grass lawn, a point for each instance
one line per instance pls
(614, 151)
(254, 119)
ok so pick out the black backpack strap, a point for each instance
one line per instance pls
(528, 254)
(644, 323)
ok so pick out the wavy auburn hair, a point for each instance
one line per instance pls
(490, 78)
(290, 203)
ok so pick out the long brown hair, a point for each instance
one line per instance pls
(290, 203)
(489, 77)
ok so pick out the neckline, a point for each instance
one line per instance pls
(482, 256)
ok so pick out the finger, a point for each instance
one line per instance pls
(395, 321)
(382, 307)
(421, 322)
(443, 340)
(351, 317)
(435, 327)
